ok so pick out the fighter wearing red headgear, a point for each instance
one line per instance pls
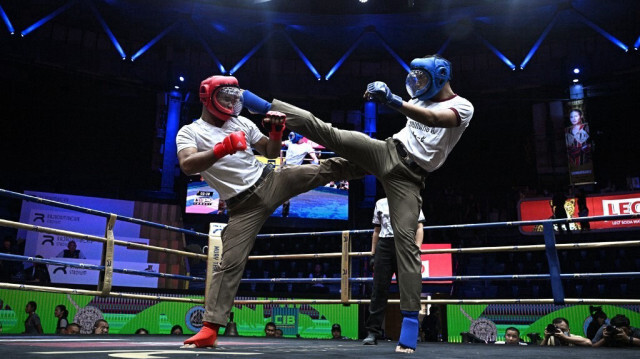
(251, 189)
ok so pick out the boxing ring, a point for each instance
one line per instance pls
(130, 347)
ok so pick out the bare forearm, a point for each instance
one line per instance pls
(374, 242)
(419, 235)
(198, 162)
(273, 149)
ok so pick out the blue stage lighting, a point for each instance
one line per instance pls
(106, 29)
(395, 56)
(247, 56)
(42, 21)
(498, 53)
(152, 42)
(602, 32)
(535, 46)
(344, 57)
(6, 21)
(302, 56)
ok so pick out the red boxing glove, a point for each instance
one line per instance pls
(230, 145)
(275, 124)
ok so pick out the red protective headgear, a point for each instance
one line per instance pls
(209, 89)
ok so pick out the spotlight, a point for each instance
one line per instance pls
(363, 1)
(181, 78)
(575, 81)
(576, 70)
(176, 87)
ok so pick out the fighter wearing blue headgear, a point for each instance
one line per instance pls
(436, 119)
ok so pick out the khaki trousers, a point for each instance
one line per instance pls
(247, 217)
(402, 187)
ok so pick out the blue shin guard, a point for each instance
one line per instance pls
(255, 103)
(409, 331)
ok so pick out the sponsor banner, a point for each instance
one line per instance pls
(39, 214)
(68, 275)
(598, 205)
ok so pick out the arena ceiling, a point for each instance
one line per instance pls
(324, 36)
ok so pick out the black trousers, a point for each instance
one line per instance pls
(384, 265)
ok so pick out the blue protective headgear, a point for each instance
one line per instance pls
(295, 137)
(428, 76)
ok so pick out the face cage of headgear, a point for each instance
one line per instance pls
(436, 70)
(228, 100)
(295, 137)
(418, 82)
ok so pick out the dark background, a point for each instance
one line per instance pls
(77, 118)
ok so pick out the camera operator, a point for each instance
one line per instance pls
(558, 333)
(618, 333)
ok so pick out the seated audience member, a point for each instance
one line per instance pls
(270, 329)
(619, 333)
(176, 330)
(336, 332)
(38, 273)
(142, 331)
(599, 318)
(72, 328)
(278, 333)
(512, 337)
(558, 333)
(101, 327)
(72, 251)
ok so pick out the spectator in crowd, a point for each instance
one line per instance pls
(583, 210)
(336, 332)
(559, 212)
(318, 273)
(431, 327)
(142, 331)
(619, 333)
(598, 319)
(511, 337)
(32, 324)
(72, 251)
(296, 152)
(7, 268)
(61, 313)
(559, 334)
(176, 330)
(72, 328)
(101, 327)
(38, 273)
(270, 329)
(278, 333)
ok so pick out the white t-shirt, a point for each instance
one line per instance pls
(231, 174)
(381, 217)
(430, 146)
(296, 152)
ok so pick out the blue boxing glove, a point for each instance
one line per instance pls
(254, 103)
(379, 92)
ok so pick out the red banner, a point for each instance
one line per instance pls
(435, 265)
(599, 205)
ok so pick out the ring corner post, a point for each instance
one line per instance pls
(554, 263)
(345, 284)
(106, 277)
